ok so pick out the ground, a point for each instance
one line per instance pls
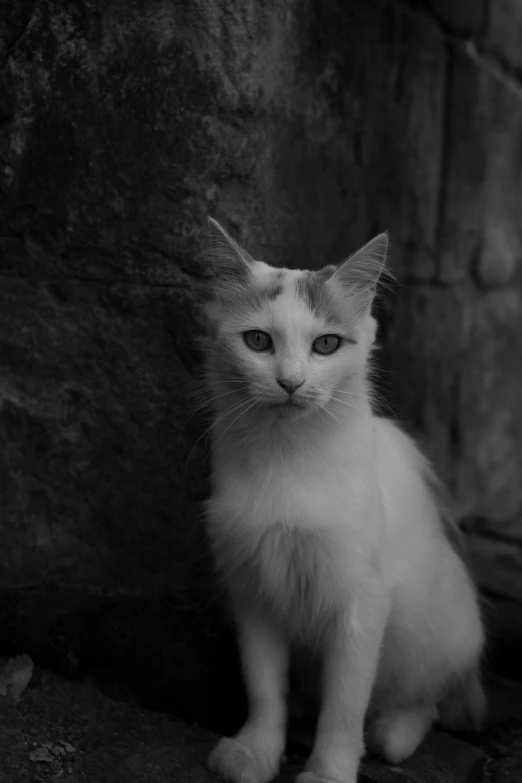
(71, 731)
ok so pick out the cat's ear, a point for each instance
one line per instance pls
(231, 263)
(359, 275)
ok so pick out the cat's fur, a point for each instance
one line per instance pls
(326, 528)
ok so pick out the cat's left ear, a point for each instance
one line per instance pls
(231, 262)
(359, 275)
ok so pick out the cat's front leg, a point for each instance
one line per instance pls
(352, 647)
(254, 754)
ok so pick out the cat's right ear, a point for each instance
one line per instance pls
(231, 263)
(359, 275)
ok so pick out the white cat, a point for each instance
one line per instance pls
(326, 526)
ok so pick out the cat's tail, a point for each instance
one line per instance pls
(463, 707)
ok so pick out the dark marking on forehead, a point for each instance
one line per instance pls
(253, 295)
(321, 298)
(274, 288)
(258, 296)
(325, 273)
(312, 291)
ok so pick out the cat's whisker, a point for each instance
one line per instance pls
(241, 413)
(380, 403)
(376, 398)
(342, 391)
(203, 391)
(339, 391)
(208, 404)
(210, 400)
(232, 409)
(192, 450)
(203, 384)
(184, 368)
(327, 410)
(381, 371)
(346, 404)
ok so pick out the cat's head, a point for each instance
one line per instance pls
(289, 342)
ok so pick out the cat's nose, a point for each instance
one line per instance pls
(289, 386)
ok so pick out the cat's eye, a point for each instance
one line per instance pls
(257, 340)
(327, 343)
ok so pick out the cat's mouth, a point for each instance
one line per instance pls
(286, 404)
(286, 409)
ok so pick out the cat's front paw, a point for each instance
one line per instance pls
(330, 767)
(239, 763)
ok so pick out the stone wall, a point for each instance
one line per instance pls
(305, 127)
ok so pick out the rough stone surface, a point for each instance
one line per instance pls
(400, 144)
(490, 441)
(507, 771)
(466, 17)
(480, 211)
(504, 741)
(505, 33)
(108, 740)
(499, 563)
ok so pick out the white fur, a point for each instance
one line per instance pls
(327, 535)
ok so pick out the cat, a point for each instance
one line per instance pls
(325, 525)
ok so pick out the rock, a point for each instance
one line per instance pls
(95, 441)
(466, 18)
(498, 564)
(15, 18)
(504, 715)
(500, 255)
(505, 747)
(15, 677)
(41, 754)
(507, 771)
(505, 33)
(68, 748)
(490, 417)
(396, 144)
(123, 745)
(480, 221)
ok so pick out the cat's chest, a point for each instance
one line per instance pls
(293, 571)
(289, 533)
(307, 493)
